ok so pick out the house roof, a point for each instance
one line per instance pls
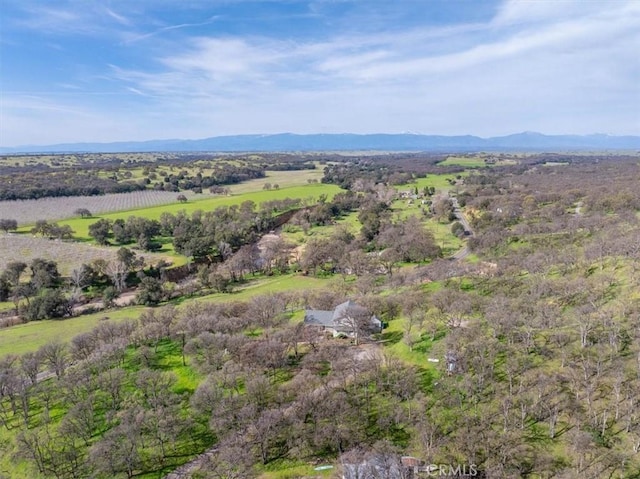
(342, 309)
(335, 319)
(318, 317)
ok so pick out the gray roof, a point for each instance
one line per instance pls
(342, 309)
(321, 318)
(335, 319)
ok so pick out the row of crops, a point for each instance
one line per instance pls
(29, 211)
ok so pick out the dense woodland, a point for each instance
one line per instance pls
(536, 334)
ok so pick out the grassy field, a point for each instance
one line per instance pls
(477, 161)
(312, 191)
(442, 232)
(439, 182)
(80, 226)
(421, 351)
(284, 179)
(287, 469)
(262, 285)
(27, 212)
(30, 336)
(467, 162)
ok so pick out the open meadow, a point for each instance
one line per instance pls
(283, 179)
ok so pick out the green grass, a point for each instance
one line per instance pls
(439, 182)
(81, 225)
(288, 469)
(467, 162)
(19, 468)
(6, 306)
(418, 355)
(27, 337)
(441, 231)
(170, 355)
(299, 237)
(167, 358)
(264, 285)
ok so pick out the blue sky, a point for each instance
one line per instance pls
(116, 70)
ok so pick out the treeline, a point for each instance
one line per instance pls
(47, 295)
(42, 296)
(222, 174)
(345, 174)
(43, 184)
(379, 248)
(202, 235)
(80, 176)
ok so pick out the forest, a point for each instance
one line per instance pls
(508, 295)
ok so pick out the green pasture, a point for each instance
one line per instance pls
(299, 237)
(312, 191)
(467, 162)
(439, 182)
(27, 337)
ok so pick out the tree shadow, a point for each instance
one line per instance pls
(391, 337)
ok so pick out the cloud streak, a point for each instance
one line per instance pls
(555, 67)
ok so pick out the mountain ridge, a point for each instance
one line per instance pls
(524, 141)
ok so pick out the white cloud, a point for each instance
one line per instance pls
(550, 66)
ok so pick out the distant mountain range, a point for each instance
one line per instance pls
(528, 141)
